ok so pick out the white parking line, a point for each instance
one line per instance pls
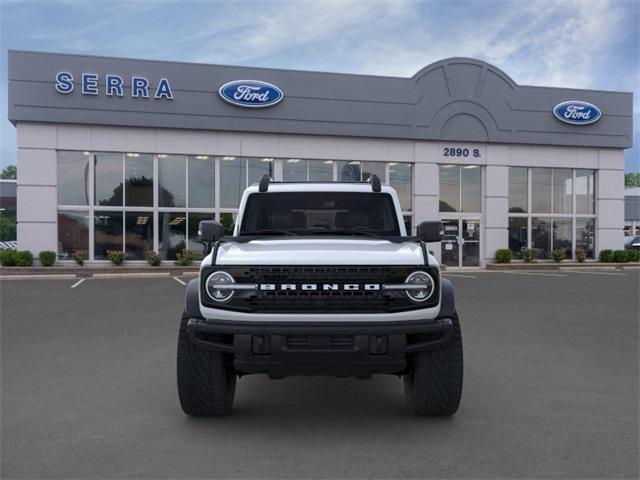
(78, 283)
(178, 280)
(537, 274)
(599, 273)
(456, 275)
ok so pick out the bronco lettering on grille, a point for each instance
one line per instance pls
(320, 286)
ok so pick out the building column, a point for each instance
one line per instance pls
(495, 210)
(426, 197)
(36, 191)
(610, 200)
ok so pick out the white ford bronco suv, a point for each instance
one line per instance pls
(319, 279)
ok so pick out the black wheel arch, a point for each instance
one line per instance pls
(192, 301)
(447, 299)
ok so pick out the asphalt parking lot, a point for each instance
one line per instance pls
(551, 390)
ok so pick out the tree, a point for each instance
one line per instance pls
(9, 172)
(632, 180)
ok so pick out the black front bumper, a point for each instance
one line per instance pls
(336, 349)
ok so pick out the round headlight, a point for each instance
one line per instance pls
(215, 286)
(422, 286)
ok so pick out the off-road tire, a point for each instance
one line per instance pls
(433, 382)
(206, 379)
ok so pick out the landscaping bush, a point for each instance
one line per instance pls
(620, 256)
(152, 258)
(24, 258)
(47, 258)
(503, 255)
(117, 257)
(581, 254)
(529, 254)
(80, 256)
(558, 255)
(633, 255)
(185, 258)
(8, 258)
(606, 256)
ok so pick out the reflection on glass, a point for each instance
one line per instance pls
(108, 233)
(400, 179)
(201, 181)
(320, 170)
(449, 188)
(172, 180)
(138, 234)
(408, 224)
(471, 188)
(73, 233)
(228, 220)
(233, 181)
(373, 168)
(199, 250)
(518, 190)
(585, 235)
(108, 179)
(585, 191)
(541, 190)
(349, 171)
(562, 190)
(294, 170)
(73, 178)
(541, 235)
(562, 235)
(259, 167)
(172, 234)
(138, 177)
(517, 236)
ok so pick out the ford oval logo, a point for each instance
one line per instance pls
(250, 93)
(576, 112)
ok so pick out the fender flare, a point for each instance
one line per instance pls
(192, 300)
(447, 300)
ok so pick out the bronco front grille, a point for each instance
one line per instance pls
(320, 301)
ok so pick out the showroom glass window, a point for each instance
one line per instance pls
(136, 201)
(556, 209)
(460, 188)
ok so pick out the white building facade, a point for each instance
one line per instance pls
(114, 171)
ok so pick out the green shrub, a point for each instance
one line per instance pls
(529, 254)
(47, 258)
(581, 254)
(185, 258)
(24, 258)
(8, 258)
(633, 255)
(558, 255)
(152, 258)
(117, 257)
(620, 256)
(606, 256)
(80, 256)
(503, 255)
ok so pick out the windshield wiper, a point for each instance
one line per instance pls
(269, 231)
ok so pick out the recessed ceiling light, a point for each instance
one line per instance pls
(266, 159)
(86, 153)
(328, 162)
(162, 155)
(201, 157)
(293, 160)
(393, 164)
(133, 154)
(355, 162)
(471, 166)
(228, 158)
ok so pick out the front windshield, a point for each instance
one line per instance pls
(630, 240)
(318, 213)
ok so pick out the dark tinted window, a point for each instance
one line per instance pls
(320, 212)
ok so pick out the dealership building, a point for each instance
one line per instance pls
(124, 154)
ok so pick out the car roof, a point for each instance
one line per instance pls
(360, 187)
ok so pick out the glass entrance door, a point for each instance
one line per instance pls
(461, 242)
(450, 243)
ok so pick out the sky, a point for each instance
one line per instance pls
(562, 43)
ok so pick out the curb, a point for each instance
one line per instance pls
(561, 266)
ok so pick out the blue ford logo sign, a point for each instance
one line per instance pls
(576, 112)
(250, 93)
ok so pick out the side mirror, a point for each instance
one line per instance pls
(209, 231)
(430, 231)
